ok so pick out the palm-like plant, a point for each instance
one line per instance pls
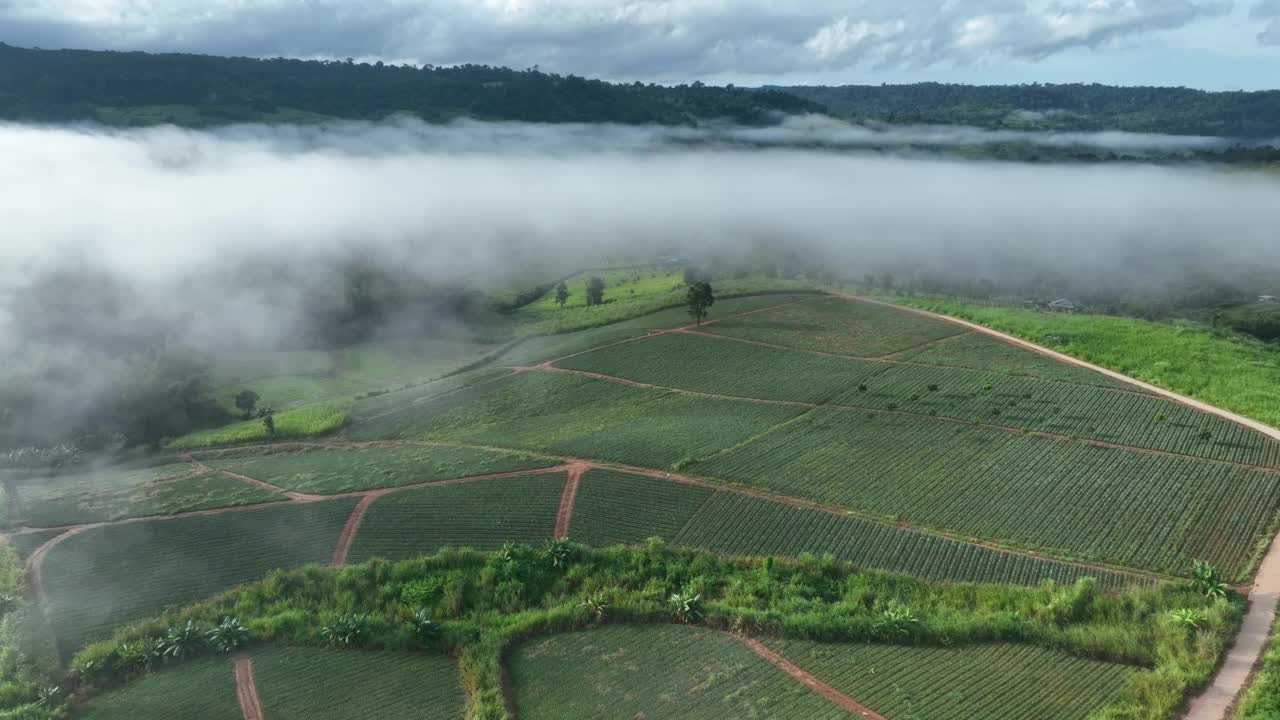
(422, 624)
(1206, 580)
(228, 635)
(346, 630)
(896, 621)
(558, 552)
(596, 605)
(1187, 617)
(49, 696)
(182, 641)
(687, 605)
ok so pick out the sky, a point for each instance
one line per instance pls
(1211, 44)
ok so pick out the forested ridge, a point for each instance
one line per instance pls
(1080, 107)
(128, 88)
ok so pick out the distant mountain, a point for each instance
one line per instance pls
(1183, 111)
(134, 88)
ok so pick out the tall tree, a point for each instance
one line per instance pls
(700, 298)
(246, 401)
(562, 294)
(595, 291)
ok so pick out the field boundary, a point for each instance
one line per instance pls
(805, 677)
(565, 513)
(246, 689)
(1216, 700)
(348, 534)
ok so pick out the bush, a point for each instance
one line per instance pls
(346, 630)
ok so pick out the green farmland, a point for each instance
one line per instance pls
(203, 689)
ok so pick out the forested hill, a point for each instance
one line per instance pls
(133, 88)
(1254, 115)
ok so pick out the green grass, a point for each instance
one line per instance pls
(85, 500)
(481, 514)
(836, 325)
(301, 683)
(111, 575)
(202, 689)
(624, 286)
(983, 352)
(299, 423)
(1227, 372)
(995, 682)
(558, 413)
(613, 507)
(395, 401)
(663, 671)
(1079, 500)
(1261, 700)
(335, 470)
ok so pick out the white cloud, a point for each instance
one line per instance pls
(1268, 10)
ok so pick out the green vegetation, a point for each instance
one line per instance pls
(618, 508)
(203, 688)
(998, 682)
(379, 404)
(103, 577)
(983, 352)
(835, 325)
(336, 470)
(1074, 499)
(1261, 700)
(630, 287)
(490, 604)
(480, 514)
(302, 683)
(300, 423)
(662, 671)
(1239, 376)
(1257, 319)
(27, 543)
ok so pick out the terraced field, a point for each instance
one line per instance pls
(302, 683)
(621, 508)
(481, 514)
(203, 689)
(110, 575)
(983, 352)
(994, 682)
(324, 470)
(687, 673)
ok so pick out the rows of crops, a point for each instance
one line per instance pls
(399, 399)
(27, 543)
(204, 688)
(335, 470)
(302, 683)
(164, 497)
(655, 671)
(983, 352)
(615, 508)
(481, 514)
(583, 417)
(993, 682)
(111, 575)
(709, 365)
(1141, 510)
(838, 326)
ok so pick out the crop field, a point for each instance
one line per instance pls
(299, 423)
(1141, 510)
(84, 501)
(334, 470)
(481, 514)
(110, 575)
(983, 352)
(836, 325)
(616, 508)
(202, 689)
(656, 671)
(994, 682)
(582, 417)
(27, 543)
(400, 399)
(303, 683)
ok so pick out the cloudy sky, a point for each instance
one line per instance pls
(1216, 44)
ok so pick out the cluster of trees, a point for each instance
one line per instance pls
(69, 85)
(1057, 107)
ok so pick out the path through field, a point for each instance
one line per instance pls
(567, 497)
(246, 691)
(802, 675)
(1215, 702)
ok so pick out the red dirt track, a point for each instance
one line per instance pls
(802, 675)
(567, 497)
(246, 691)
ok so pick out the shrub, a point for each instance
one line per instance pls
(228, 636)
(346, 630)
(1206, 580)
(182, 641)
(687, 605)
(558, 552)
(423, 627)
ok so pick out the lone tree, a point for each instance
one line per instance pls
(700, 299)
(562, 294)
(246, 401)
(595, 291)
(269, 422)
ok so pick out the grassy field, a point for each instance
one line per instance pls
(1261, 700)
(395, 401)
(334, 470)
(107, 576)
(983, 352)
(1227, 372)
(994, 682)
(111, 495)
(1085, 501)
(662, 671)
(300, 683)
(302, 422)
(27, 543)
(202, 689)
(613, 507)
(482, 514)
(582, 417)
(622, 286)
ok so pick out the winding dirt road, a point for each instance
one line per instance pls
(1215, 702)
(803, 676)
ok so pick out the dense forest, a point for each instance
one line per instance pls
(1079, 107)
(127, 88)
